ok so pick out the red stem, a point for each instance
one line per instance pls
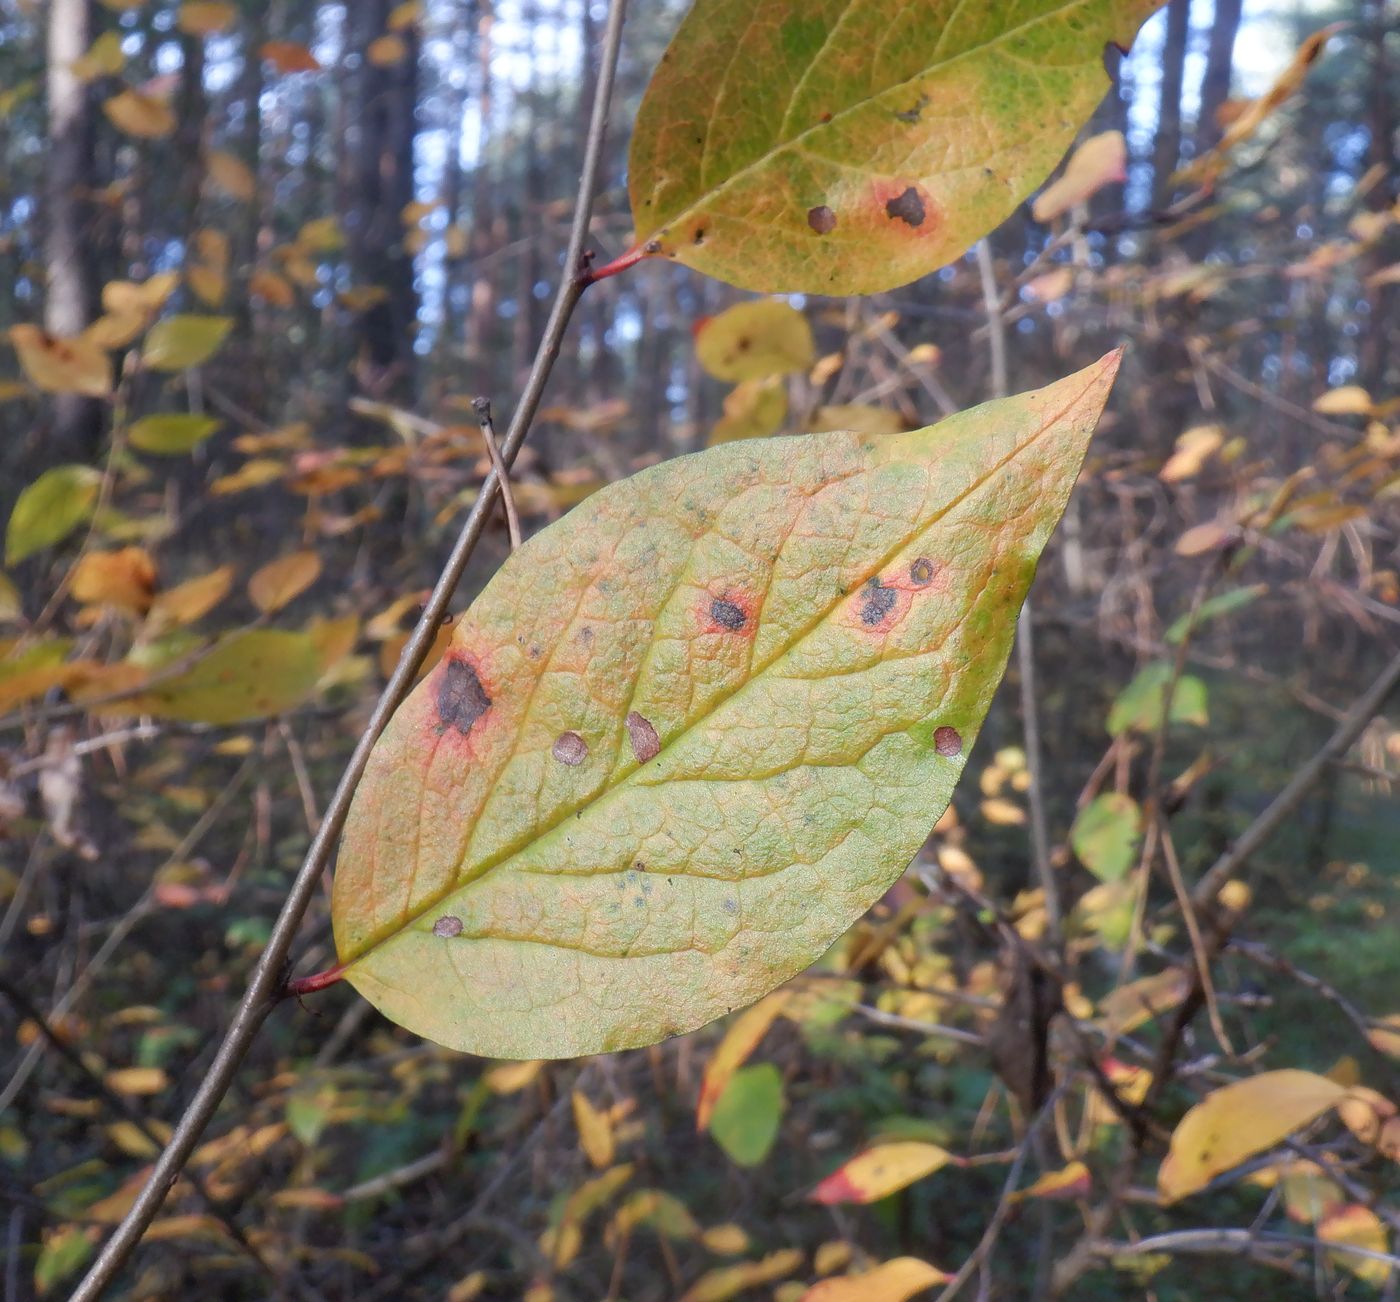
(309, 985)
(619, 264)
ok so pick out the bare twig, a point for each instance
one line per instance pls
(482, 407)
(268, 980)
(1025, 635)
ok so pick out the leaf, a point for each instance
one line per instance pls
(232, 175)
(247, 675)
(144, 116)
(594, 1131)
(1193, 449)
(740, 1040)
(725, 1282)
(287, 56)
(282, 581)
(205, 17)
(137, 1080)
(1070, 1181)
(50, 509)
(64, 1252)
(192, 600)
(125, 578)
(894, 1281)
(173, 434)
(859, 416)
(714, 676)
(753, 410)
(1141, 703)
(386, 51)
(747, 1115)
(1106, 835)
(880, 1171)
(184, 340)
(1349, 400)
(1384, 1035)
(1232, 1124)
(76, 365)
(845, 147)
(1222, 603)
(1358, 1227)
(104, 58)
(1099, 161)
(757, 340)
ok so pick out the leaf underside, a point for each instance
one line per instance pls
(688, 734)
(826, 146)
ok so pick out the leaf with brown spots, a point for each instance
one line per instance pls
(850, 146)
(689, 733)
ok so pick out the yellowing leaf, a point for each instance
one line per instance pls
(248, 675)
(1233, 1123)
(232, 175)
(1349, 400)
(727, 1240)
(1385, 1035)
(287, 56)
(124, 579)
(104, 58)
(173, 434)
(740, 1040)
(1358, 1227)
(1130, 1006)
(205, 17)
(894, 1281)
(1099, 161)
(50, 509)
(512, 1077)
(62, 365)
(859, 416)
(881, 1171)
(765, 621)
(282, 581)
(725, 1282)
(386, 51)
(182, 341)
(755, 341)
(1070, 1181)
(753, 410)
(137, 1080)
(140, 115)
(1193, 449)
(847, 147)
(192, 599)
(594, 1131)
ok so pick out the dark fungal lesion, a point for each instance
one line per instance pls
(461, 699)
(728, 614)
(821, 219)
(876, 601)
(906, 207)
(921, 572)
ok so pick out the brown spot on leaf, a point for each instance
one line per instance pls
(447, 926)
(569, 748)
(699, 236)
(461, 699)
(921, 572)
(947, 742)
(645, 743)
(907, 206)
(821, 219)
(876, 601)
(728, 614)
(912, 115)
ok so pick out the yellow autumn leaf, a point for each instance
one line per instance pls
(193, 599)
(1358, 1227)
(1193, 449)
(727, 1240)
(512, 1077)
(386, 51)
(740, 1040)
(894, 1281)
(124, 579)
(232, 175)
(1099, 161)
(205, 17)
(137, 1080)
(594, 1131)
(140, 115)
(755, 340)
(1070, 1181)
(1233, 1123)
(880, 1171)
(57, 365)
(289, 57)
(281, 581)
(725, 1282)
(1348, 400)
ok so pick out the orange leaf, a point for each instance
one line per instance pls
(281, 581)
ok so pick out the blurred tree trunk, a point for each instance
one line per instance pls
(1379, 367)
(529, 267)
(1220, 66)
(380, 150)
(247, 148)
(71, 296)
(481, 307)
(1167, 148)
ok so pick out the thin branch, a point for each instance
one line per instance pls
(1025, 635)
(1303, 781)
(268, 979)
(482, 407)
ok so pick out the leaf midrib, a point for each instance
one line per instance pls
(506, 854)
(709, 195)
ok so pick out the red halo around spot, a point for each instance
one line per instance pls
(728, 612)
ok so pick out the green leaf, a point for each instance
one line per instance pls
(185, 340)
(247, 675)
(1106, 835)
(748, 1113)
(172, 434)
(850, 146)
(50, 509)
(689, 733)
(1139, 705)
(66, 1250)
(755, 341)
(1221, 604)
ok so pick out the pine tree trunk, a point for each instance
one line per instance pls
(1167, 149)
